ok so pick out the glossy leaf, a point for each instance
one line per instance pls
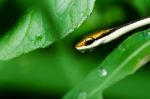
(36, 30)
(123, 61)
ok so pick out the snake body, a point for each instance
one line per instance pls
(95, 39)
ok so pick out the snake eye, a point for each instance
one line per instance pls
(89, 41)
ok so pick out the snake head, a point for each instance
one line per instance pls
(85, 42)
(90, 41)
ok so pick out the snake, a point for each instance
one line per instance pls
(95, 39)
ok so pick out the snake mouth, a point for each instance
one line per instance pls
(83, 48)
(77, 47)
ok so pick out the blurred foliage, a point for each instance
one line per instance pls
(52, 71)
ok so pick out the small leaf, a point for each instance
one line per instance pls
(132, 54)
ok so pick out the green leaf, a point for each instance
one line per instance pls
(30, 33)
(132, 54)
(69, 14)
(141, 6)
(36, 30)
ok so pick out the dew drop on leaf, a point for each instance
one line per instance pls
(148, 33)
(83, 51)
(122, 48)
(91, 49)
(38, 37)
(102, 72)
(82, 95)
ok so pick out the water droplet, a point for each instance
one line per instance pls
(82, 95)
(82, 51)
(148, 33)
(38, 37)
(102, 72)
(122, 48)
(91, 49)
